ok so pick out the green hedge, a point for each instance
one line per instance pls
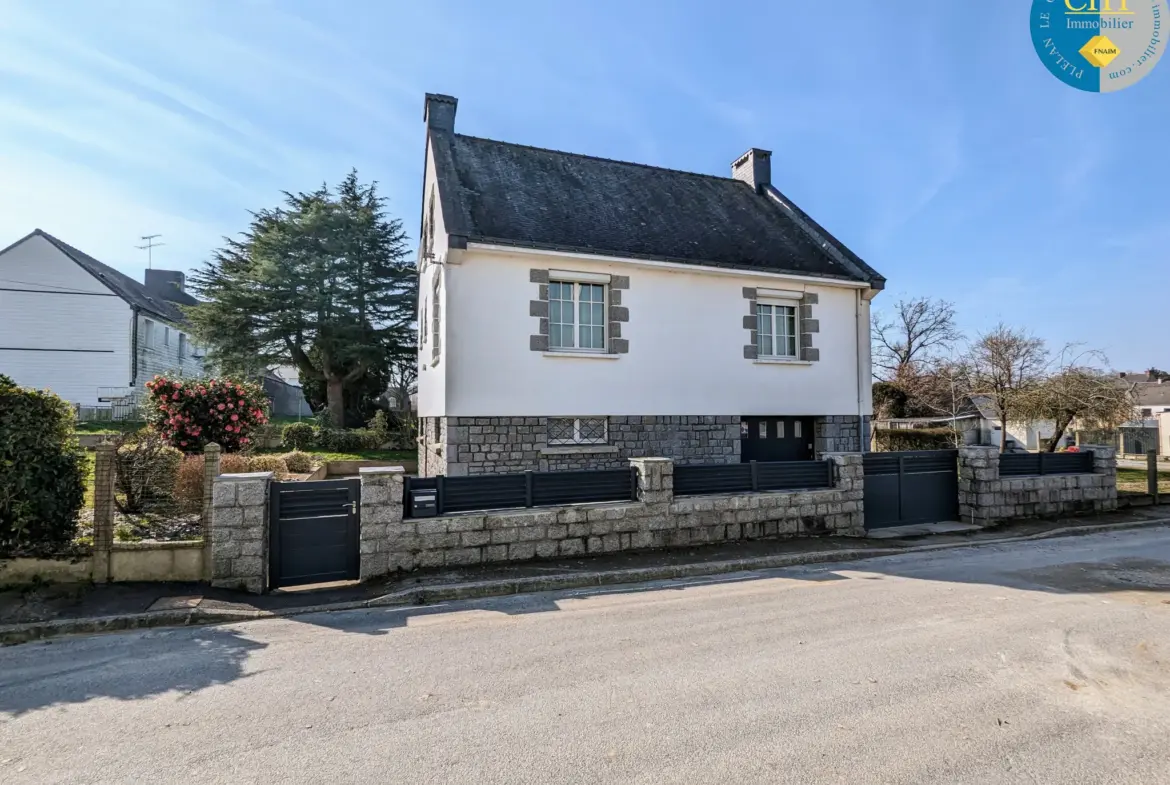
(42, 473)
(898, 439)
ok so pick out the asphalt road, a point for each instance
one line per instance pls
(1036, 663)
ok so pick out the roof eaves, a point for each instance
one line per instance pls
(652, 257)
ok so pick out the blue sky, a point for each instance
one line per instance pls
(934, 143)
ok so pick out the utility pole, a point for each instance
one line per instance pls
(149, 247)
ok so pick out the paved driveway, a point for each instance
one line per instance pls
(1044, 662)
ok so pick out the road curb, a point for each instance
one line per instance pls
(428, 595)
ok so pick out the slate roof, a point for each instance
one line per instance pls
(511, 194)
(1152, 394)
(134, 293)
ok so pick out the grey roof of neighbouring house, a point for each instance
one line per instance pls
(1154, 394)
(510, 194)
(134, 293)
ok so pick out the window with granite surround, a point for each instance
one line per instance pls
(578, 313)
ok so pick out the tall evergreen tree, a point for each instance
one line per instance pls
(321, 282)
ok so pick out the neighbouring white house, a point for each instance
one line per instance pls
(84, 330)
(577, 311)
(977, 423)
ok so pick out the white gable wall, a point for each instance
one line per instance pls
(686, 339)
(60, 328)
(432, 377)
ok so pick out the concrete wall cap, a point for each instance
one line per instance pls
(381, 470)
(244, 477)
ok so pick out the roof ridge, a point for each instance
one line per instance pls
(599, 158)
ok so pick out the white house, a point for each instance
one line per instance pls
(84, 330)
(579, 311)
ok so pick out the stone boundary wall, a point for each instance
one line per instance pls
(239, 531)
(656, 520)
(985, 497)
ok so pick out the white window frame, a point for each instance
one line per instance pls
(576, 281)
(148, 333)
(793, 305)
(182, 346)
(577, 439)
(166, 336)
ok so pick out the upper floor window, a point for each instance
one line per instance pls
(776, 330)
(182, 346)
(148, 337)
(576, 314)
(166, 336)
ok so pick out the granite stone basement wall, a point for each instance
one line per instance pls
(985, 497)
(656, 520)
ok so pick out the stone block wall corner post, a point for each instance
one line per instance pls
(381, 513)
(211, 455)
(103, 510)
(655, 479)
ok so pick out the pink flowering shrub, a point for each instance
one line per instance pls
(191, 413)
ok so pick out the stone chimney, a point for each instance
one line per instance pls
(439, 111)
(754, 167)
(167, 284)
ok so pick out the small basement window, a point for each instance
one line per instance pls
(578, 430)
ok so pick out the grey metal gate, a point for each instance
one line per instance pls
(903, 488)
(313, 532)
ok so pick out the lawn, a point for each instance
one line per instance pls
(87, 468)
(1134, 481)
(360, 455)
(108, 426)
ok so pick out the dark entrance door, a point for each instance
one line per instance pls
(903, 488)
(776, 439)
(313, 532)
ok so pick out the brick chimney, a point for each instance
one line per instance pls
(439, 111)
(167, 284)
(754, 167)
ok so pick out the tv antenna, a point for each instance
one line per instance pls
(149, 247)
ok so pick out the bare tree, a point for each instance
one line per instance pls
(1008, 367)
(1080, 392)
(917, 331)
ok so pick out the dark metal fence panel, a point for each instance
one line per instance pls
(529, 489)
(1042, 463)
(794, 475)
(583, 486)
(712, 478)
(483, 492)
(752, 476)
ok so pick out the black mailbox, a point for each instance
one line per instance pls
(423, 503)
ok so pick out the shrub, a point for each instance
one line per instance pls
(297, 461)
(42, 470)
(299, 435)
(380, 428)
(898, 439)
(268, 463)
(233, 463)
(146, 470)
(189, 483)
(193, 413)
(347, 441)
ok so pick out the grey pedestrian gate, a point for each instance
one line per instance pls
(313, 532)
(903, 488)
